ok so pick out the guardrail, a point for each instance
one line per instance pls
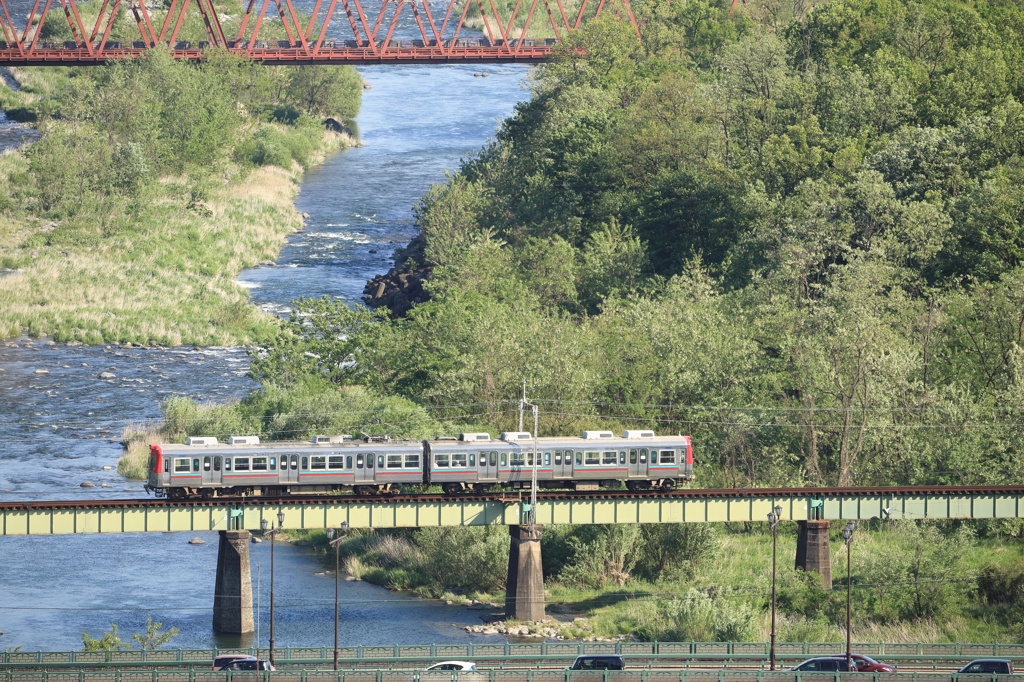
(495, 676)
(538, 650)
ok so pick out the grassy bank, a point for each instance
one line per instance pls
(132, 225)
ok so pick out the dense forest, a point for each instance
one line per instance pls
(793, 232)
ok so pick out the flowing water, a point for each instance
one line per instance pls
(59, 427)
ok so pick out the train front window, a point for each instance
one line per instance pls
(181, 465)
(441, 461)
(336, 462)
(216, 463)
(318, 462)
(206, 463)
(668, 456)
(241, 463)
(259, 463)
(593, 458)
(394, 461)
(412, 461)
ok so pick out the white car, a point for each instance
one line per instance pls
(453, 665)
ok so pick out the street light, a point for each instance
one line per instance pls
(848, 537)
(336, 544)
(272, 532)
(773, 518)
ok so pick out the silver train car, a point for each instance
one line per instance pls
(473, 462)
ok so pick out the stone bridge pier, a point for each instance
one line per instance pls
(812, 550)
(524, 591)
(232, 597)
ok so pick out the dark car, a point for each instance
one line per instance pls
(598, 662)
(224, 660)
(829, 664)
(987, 666)
(866, 664)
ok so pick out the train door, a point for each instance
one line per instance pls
(562, 464)
(488, 466)
(638, 463)
(365, 466)
(288, 471)
(212, 470)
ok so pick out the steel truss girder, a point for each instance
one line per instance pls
(438, 40)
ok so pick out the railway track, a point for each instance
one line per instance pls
(514, 497)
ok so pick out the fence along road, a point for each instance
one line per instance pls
(504, 658)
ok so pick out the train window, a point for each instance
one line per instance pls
(348, 462)
(412, 461)
(593, 457)
(441, 460)
(547, 459)
(472, 459)
(632, 456)
(380, 460)
(494, 459)
(305, 463)
(459, 459)
(517, 459)
(195, 464)
(336, 462)
(167, 465)
(558, 457)
(609, 457)
(216, 463)
(295, 461)
(394, 461)
(273, 463)
(227, 464)
(668, 456)
(206, 463)
(643, 455)
(483, 460)
(317, 462)
(359, 461)
(529, 460)
(579, 458)
(622, 458)
(503, 459)
(241, 463)
(181, 465)
(259, 463)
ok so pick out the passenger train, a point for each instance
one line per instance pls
(473, 462)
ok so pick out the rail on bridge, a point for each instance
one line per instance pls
(359, 35)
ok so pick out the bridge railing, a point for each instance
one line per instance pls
(493, 676)
(399, 654)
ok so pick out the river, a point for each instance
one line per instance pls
(59, 427)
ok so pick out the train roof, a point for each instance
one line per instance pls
(588, 439)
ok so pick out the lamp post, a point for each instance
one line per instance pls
(848, 537)
(773, 519)
(336, 544)
(272, 532)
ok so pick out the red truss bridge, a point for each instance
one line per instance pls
(329, 34)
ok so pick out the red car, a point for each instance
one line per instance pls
(865, 664)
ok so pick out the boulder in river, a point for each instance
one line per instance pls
(197, 541)
(42, 371)
(107, 375)
(88, 484)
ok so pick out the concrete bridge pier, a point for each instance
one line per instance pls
(812, 550)
(524, 591)
(232, 598)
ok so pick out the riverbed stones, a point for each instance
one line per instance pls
(88, 484)
(107, 375)
(197, 541)
(42, 371)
